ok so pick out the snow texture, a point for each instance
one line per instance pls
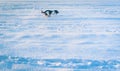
(84, 35)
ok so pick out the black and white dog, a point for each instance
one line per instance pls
(48, 13)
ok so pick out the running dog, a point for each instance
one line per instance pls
(48, 13)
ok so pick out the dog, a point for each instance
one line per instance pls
(48, 13)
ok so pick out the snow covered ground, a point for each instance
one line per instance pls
(28, 64)
(84, 29)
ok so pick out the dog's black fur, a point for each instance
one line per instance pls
(48, 13)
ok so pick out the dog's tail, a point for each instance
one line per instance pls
(45, 13)
(42, 11)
